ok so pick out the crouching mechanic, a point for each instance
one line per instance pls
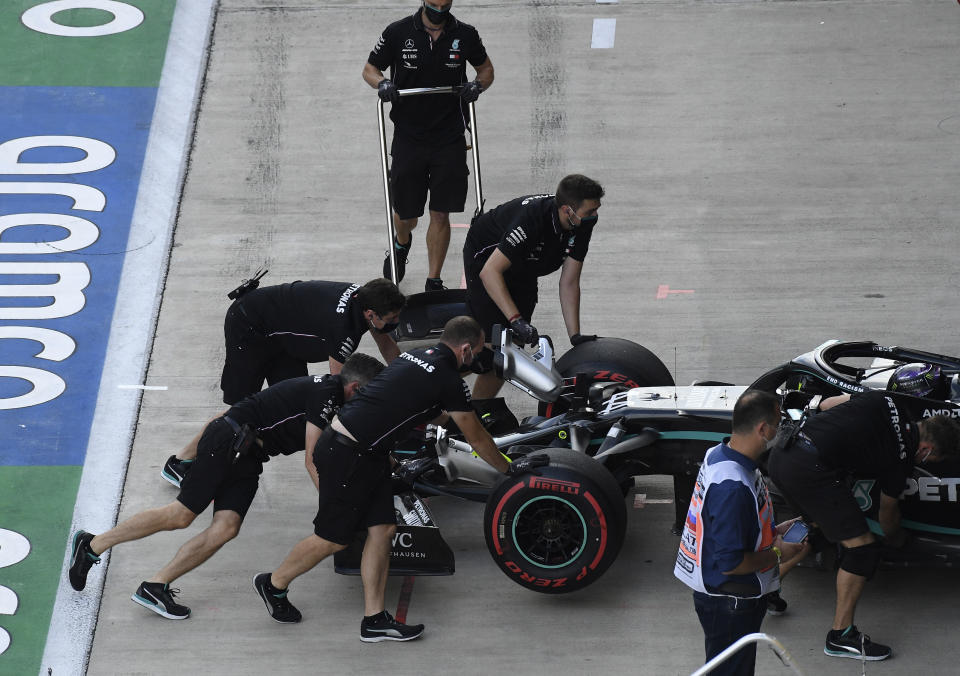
(731, 554)
(870, 435)
(352, 458)
(508, 248)
(280, 420)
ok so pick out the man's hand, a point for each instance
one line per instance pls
(470, 92)
(578, 338)
(523, 330)
(387, 91)
(527, 464)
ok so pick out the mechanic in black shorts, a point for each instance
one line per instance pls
(508, 248)
(870, 435)
(280, 420)
(429, 49)
(353, 459)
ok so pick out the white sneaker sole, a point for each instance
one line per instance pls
(157, 609)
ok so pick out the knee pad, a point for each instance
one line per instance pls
(862, 561)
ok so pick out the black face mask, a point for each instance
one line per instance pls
(387, 328)
(435, 16)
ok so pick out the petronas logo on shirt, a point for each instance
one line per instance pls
(861, 493)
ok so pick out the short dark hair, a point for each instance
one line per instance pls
(382, 296)
(753, 407)
(943, 432)
(361, 368)
(576, 188)
(462, 329)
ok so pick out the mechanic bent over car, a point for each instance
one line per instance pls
(872, 435)
(280, 420)
(431, 48)
(508, 248)
(731, 554)
(352, 457)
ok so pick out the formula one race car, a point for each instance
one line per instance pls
(609, 412)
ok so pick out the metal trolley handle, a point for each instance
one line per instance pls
(387, 194)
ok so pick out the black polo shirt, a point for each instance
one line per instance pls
(280, 413)
(528, 232)
(313, 321)
(871, 435)
(413, 389)
(416, 61)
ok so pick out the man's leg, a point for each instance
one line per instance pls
(487, 385)
(725, 620)
(375, 565)
(225, 526)
(173, 516)
(304, 556)
(438, 241)
(850, 583)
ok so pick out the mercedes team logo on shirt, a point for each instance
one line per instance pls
(409, 43)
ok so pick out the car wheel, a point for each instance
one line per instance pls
(610, 359)
(558, 530)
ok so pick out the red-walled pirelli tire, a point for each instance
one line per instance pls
(611, 359)
(556, 531)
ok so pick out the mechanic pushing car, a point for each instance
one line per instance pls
(872, 435)
(352, 458)
(279, 420)
(508, 248)
(431, 48)
(731, 554)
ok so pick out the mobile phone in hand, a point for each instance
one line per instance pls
(797, 532)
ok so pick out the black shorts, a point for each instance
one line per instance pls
(482, 308)
(252, 358)
(417, 168)
(356, 491)
(817, 491)
(215, 477)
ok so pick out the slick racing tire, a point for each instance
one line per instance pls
(559, 530)
(610, 359)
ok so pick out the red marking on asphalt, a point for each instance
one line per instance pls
(663, 291)
(404, 603)
(467, 225)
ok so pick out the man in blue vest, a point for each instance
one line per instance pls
(731, 554)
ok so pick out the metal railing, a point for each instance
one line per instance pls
(388, 197)
(775, 645)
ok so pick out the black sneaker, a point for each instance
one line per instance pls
(434, 284)
(775, 604)
(81, 559)
(383, 627)
(850, 642)
(400, 251)
(174, 469)
(158, 597)
(276, 601)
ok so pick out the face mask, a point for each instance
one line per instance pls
(436, 16)
(387, 328)
(587, 222)
(465, 367)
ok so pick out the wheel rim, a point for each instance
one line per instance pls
(549, 532)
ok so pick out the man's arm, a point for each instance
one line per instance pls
(372, 75)
(492, 277)
(484, 74)
(335, 366)
(827, 404)
(387, 345)
(570, 294)
(889, 518)
(479, 439)
(309, 442)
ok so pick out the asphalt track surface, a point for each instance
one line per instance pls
(790, 167)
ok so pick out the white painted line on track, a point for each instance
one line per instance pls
(604, 31)
(607, 2)
(74, 619)
(142, 387)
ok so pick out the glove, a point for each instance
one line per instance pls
(578, 338)
(470, 92)
(527, 464)
(387, 91)
(483, 361)
(523, 330)
(411, 470)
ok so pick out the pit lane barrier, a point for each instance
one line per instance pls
(778, 649)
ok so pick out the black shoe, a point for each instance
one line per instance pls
(276, 601)
(81, 559)
(434, 284)
(775, 604)
(175, 469)
(158, 597)
(400, 251)
(850, 642)
(383, 627)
